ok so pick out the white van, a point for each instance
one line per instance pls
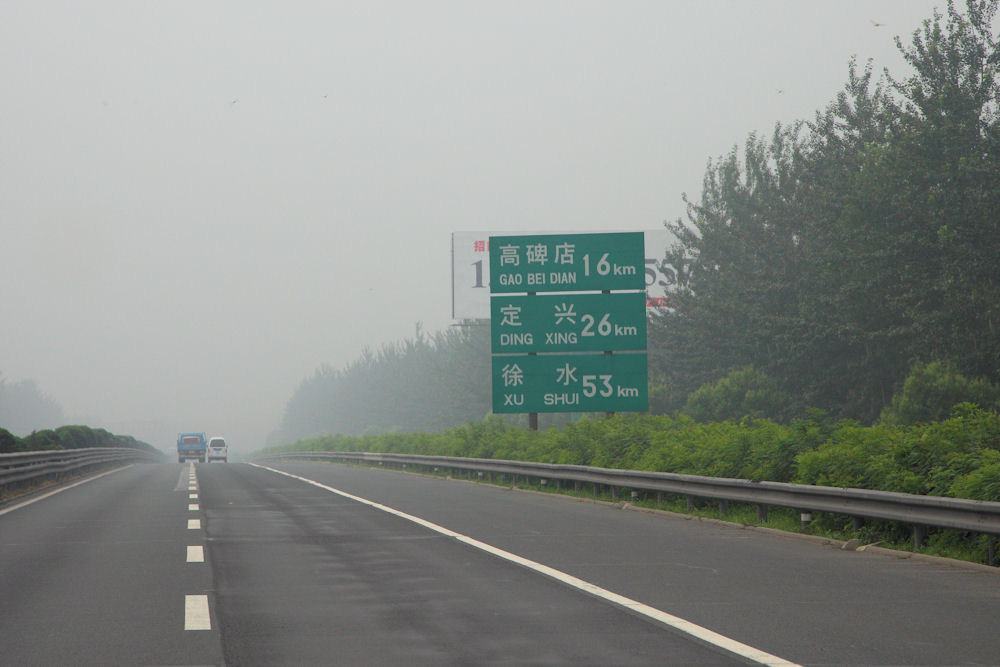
(218, 450)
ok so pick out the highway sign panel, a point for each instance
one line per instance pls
(570, 383)
(568, 322)
(470, 271)
(567, 262)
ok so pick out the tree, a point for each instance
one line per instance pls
(745, 392)
(842, 250)
(950, 141)
(41, 441)
(738, 257)
(427, 383)
(8, 442)
(931, 392)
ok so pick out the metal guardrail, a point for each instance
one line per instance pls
(919, 511)
(29, 468)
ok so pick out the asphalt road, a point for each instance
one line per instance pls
(297, 573)
(97, 574)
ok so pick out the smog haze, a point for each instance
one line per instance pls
(202, 203)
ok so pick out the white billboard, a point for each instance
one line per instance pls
(470, 270)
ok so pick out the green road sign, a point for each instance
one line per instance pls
(567, 263)
(570, 383)
(568, 322)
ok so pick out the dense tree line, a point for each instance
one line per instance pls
(427, 383)
(822, 267)
(836, 253)
(68, 437)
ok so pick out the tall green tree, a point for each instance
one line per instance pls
(950, 140)
(844, 249)
(737, 260)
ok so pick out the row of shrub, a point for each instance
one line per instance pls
(68, 437)
(958, 457)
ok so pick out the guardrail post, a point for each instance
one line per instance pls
(762, 513)
(659, 497)
(991, 550)
(614, 493)
(689, 503)
(919, 535)
(723, 507)
(856, 523)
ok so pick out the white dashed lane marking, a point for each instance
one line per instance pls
(196, 612)
(196, 616)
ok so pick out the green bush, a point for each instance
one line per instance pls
(956, 457)
(41, 440)
(8, 442)
(78, 437)
(981, 481)
(931, 392)
(746, 392)
(69, 437)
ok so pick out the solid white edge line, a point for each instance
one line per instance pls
(687, 627)
(60, 490)
(196, 554)
(196, 615)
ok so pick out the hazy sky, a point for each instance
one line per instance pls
(203, 202)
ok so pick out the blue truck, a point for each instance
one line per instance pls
(191, 447)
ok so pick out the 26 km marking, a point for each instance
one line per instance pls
(687, 627)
